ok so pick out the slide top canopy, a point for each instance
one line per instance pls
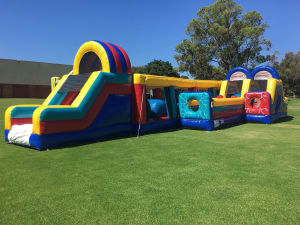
(264, 73)
(101, 56)
(238, 73)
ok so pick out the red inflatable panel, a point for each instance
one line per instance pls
(218, 115)
(129, 70)
(57, 126)
(157, 93)
(21, 121)
(257, 103)
(139, 104)
(68, 100)
(116, 58)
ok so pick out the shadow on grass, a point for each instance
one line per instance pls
(284, 119)
(130, 135)
(229, 125)
(108, 138)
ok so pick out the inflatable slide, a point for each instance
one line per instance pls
(265, 101)
(86, 105)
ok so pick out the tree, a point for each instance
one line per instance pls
(157, 67)
(289, 72)
(138, 69)
(221, 37)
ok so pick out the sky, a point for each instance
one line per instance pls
(52, 31)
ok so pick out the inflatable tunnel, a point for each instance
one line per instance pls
(93, 102)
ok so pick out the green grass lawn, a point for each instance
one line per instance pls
(246, 174)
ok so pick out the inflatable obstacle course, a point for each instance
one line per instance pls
(103, 99)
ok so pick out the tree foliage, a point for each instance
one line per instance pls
(289, 71)
(157, 67)
(220, 38)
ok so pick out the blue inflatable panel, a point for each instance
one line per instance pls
(239, 69)
(122, 58)
(270, 69)
(6, 135)
(116, 110)
(198, 124)
(158, 126)
(267, 119)
(23, 112)
(111, 60)
(58, 98)
(227, 120)
(203, 111)
(49, 141)
(209, 125)
(169, 93)
(156, 108)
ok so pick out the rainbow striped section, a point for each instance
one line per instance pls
(99, 55)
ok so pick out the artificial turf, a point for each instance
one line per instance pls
(245, 174)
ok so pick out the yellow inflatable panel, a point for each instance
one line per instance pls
(55, 90)
(95, 47)
(227, 101)
(54, 82)
(223, 89)
(246, 86)
(271, 87)
(163, 81)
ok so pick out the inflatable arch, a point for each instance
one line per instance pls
(101, 56)
(264, 73)
(238, 73)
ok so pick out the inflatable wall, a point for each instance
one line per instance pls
(102, 98)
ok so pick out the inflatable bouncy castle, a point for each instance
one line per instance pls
(102, 98)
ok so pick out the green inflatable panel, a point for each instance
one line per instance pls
(195, 105)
